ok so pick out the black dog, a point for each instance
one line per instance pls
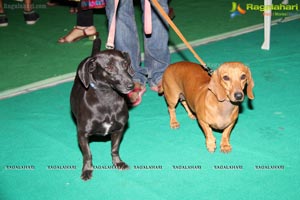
(97, 102)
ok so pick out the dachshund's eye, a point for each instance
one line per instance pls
(243, 77)
(226, 78)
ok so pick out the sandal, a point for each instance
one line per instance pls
(79, 37)
(171, 13)
(73, 10)
(139, 91)
(51, 3)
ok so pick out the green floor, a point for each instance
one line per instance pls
(37, 130)
(30, 54)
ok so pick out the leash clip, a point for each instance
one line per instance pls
(109, 46)
(209, 70)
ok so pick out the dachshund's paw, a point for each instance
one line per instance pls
(86, 175)
(226, 148)
(174, 125)
(121, 166)
(211, 146)
(192, 116)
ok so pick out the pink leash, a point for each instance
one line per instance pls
(147, 18)
(111, 35)
(147, 24)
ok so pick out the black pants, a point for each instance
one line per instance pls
(84, 17)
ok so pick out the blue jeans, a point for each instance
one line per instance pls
(156, 55)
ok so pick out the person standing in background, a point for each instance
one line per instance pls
(30, 16)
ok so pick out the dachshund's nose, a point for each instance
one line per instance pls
(238, 96)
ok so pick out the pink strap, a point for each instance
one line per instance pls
(147, 18)
(147, 24)
(110, 44)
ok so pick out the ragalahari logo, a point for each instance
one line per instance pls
(236, 10)
(283, 9)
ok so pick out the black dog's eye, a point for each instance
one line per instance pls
(125, 65)
(226, 78)
(109, 68)
(243, 77)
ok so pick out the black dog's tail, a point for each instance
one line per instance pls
(96, 46)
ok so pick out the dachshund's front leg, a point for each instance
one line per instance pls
(225, 145)
(210, 139)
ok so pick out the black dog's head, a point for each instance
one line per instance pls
(109, 68)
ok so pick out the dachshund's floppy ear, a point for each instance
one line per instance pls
(250, 84)
(215, 87)
(85, 69)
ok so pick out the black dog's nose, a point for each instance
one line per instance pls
(238, 96)
(130, 86)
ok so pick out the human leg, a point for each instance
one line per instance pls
(3, 18)
(1, 6)
(30, 16)
(84, 27)
(157, 55)
(126, 36)
(126, 39)
(27, 5)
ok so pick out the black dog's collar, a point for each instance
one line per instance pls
(93, 85)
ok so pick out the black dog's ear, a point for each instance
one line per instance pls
(84, 71)
(126, 56)
(128, 60)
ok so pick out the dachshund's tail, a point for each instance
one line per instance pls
(96, 46)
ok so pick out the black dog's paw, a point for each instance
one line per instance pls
(86, 175)
(121, 166)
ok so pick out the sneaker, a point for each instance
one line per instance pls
(3, 20)
(31, 17)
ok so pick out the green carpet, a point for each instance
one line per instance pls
(37, 131)
(30, 53)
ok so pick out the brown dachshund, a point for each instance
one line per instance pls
(214, 99)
